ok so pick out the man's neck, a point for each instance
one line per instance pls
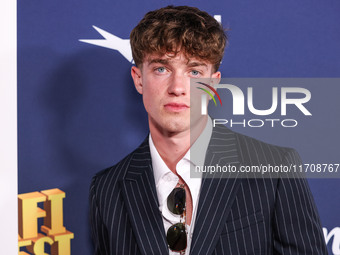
(173, 146)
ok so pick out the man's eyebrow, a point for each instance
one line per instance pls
(167, 61)
(158, 61)
(195, 63)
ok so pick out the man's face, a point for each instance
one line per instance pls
(164, 83)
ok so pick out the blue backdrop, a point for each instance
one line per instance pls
(78, 111)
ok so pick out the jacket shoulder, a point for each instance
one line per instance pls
(118, 171)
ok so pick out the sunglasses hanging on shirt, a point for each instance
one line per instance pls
(176, 235)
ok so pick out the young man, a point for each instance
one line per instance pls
(148, 204)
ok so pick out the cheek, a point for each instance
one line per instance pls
(195, 96)
(196, 102)
(150, 94)
(150, 99)
(154, 92)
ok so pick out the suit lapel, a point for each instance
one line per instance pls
(140, 196)
(217, 194)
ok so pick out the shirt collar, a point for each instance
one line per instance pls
(196, 154)
(158, 165)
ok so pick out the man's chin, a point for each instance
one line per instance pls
(183, 124)
(175, 128)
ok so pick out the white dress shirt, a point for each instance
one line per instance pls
(166, 180)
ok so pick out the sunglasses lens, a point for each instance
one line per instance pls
(176, 201)
(176, 237)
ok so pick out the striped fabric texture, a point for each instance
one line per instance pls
(235, 216)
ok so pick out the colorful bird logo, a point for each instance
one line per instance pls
(209, 93)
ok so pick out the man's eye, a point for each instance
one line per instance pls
(161, 69)
(195, 72)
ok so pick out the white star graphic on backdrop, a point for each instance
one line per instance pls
(112, 42)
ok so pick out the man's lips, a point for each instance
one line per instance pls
(176, 107)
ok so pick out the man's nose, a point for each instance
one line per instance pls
(178, 85)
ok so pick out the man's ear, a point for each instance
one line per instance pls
(136, 74)
(217, 77)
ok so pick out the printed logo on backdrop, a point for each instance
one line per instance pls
(52, 232)
(335, 233)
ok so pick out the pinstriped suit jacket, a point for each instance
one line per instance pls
(235, 216)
